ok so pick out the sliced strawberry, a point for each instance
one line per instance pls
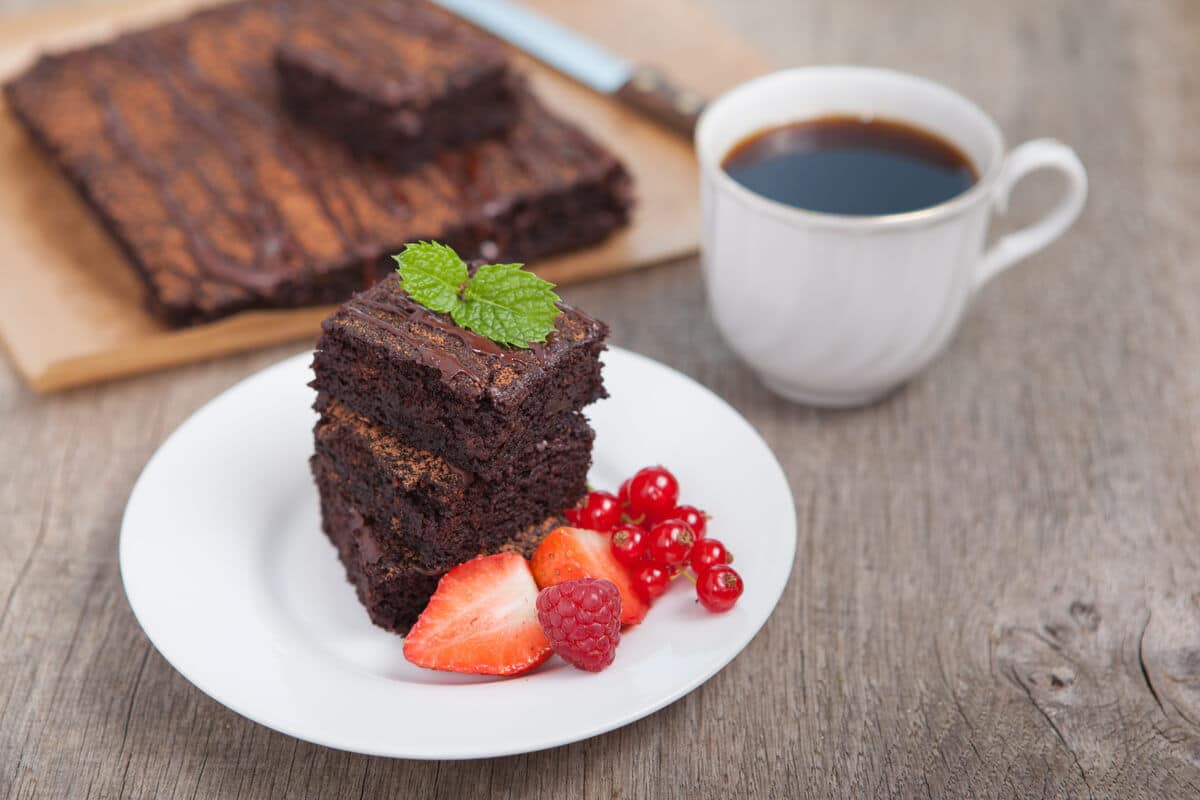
(569, 554)
(482, 619)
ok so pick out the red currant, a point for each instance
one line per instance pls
(628, 544)
(708, 553)
(694, 517)
(574, 516)
(651, 580)
(719, 588)
(601, 511)
(671, 542)
(623, 492)
(653, 491)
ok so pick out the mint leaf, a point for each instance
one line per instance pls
(432, 273)
(508, 305)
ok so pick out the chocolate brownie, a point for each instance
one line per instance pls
(442, 515)
(176, 137)
(395, 589)
(448, 390)
(396, 80)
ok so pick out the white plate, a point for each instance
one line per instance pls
(228, 572)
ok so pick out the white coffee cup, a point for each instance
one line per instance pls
(836, 310)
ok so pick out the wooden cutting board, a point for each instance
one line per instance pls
(71, 307)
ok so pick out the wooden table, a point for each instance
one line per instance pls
(997, 588)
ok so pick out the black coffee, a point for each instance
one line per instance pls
(849, 165)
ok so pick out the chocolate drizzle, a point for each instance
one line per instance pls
(399, 305)
(263, 220)
(202, 250)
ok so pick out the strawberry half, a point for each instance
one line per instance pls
(481, 620)
(569, 554)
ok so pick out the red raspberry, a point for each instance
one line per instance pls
(582, 620)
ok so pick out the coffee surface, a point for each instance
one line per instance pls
(851, 165)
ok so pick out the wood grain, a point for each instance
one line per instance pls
(997, 587)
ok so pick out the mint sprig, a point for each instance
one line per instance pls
(500, 301)
(432, 274)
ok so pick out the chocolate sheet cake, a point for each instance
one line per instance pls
(177, 138)
(435, 444)
(398, 81)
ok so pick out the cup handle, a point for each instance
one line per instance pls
(1031, 156)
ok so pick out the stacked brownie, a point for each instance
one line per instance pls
(435, 445)
(274, 153)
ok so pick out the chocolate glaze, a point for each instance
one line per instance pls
(396, 304)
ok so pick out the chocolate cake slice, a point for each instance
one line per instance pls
(441, 514)
(448, 390)
(393, 587)
(177, 138)
(435, 443)
(396, 80)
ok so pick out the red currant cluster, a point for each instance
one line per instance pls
(658, 540)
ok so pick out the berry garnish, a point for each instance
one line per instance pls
(482, 619)
(623, 492)
(653, 492)
(719, 587)
(671, 542)
(651, 580)
(708, 553)
(694, 517)
(568, 554)
(628, 544)
(601, 511)
(582, 620)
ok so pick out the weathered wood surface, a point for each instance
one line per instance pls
(997, 589)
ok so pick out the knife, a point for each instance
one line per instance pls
(640, 87)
